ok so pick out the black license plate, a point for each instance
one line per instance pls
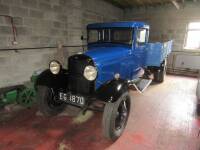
(72, 99)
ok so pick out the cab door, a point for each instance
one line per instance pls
(139, 48)
(140, 45)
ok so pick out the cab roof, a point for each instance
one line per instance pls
(128, 24)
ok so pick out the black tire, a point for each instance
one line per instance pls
(159, 74)
(113, 124)
(47, 103)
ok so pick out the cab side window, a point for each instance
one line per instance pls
(93, 36)
(141, 36)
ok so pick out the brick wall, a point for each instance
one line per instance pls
(169, 23)
(43, 23)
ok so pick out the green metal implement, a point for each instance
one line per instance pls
(21, 94)
(8, 98)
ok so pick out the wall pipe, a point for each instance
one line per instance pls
(14, 30)
(32, 48)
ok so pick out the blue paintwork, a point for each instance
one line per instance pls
(157, 52)
(127, 60)
(111, 59)
(128, 24)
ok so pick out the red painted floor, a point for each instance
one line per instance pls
(162, 118)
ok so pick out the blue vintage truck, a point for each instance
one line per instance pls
(118, 57)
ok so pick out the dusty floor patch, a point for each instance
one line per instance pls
(63, 146)
(83, 118)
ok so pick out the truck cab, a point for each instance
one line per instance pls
(118, 56)
(118, 48)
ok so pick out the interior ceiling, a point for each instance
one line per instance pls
(139, 3)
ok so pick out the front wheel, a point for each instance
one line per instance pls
(115, 117)
(48, 103)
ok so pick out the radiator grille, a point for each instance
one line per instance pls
(76, 81)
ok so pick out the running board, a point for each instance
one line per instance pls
(142, 85)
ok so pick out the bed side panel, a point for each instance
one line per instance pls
(157, 52)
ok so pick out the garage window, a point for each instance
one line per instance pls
(193, 36)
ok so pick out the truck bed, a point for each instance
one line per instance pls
(157, 52)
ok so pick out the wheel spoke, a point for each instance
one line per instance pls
(125, 105)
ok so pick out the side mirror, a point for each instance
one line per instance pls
(82, 38)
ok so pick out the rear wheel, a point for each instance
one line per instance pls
(48, 103)
(115, 117)
(159, 74)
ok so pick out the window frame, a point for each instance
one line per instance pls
(146, 36)
(120, 28)
(186, 37)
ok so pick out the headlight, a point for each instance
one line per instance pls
(90, 73)
(54, 67)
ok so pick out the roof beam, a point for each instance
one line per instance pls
(175, 3)
(147, 2)
(143, 3)
(136, 2)
(139, 2)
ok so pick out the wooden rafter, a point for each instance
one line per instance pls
(176, 4)
(136, 3)
(149, 1)
(140, 2)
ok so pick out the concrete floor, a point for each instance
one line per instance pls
(162, 118)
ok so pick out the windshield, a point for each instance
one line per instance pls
(121, 36)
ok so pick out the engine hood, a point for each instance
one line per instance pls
(109, 53)
(109, 60)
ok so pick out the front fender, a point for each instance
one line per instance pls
(111, 91)
(46, 78)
